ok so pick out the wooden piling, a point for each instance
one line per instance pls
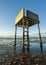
(28, 39)
(15, 40)
(41, 47)
(23, 41)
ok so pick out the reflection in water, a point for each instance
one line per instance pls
(32, 57)
(27, 58)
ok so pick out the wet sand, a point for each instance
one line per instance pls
(25, 58)
(32, 57)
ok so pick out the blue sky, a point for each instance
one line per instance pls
(10, 8)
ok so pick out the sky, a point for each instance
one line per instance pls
(10, 8)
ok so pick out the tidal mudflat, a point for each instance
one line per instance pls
(33, 57)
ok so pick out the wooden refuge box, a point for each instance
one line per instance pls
(30, 18)
(25, 22)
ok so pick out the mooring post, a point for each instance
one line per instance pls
(41, 47)
(15, 39)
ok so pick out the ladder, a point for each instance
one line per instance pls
(25, 40)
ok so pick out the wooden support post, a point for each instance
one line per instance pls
(15, 40)
(27, 40)
(40, 38)
(23, 41)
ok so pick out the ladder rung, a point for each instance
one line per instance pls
(25, 44)
(25, 31)
(25, 40)
(25, 35)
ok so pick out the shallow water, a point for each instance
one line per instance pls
(7, 50)
(7, 45)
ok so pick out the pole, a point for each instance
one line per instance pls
(27, 40)
(23, 41)
(15, 40)
(41, 47)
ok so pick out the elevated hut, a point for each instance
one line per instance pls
(25, 22)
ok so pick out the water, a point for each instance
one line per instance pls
(8, 44)
(7, 52)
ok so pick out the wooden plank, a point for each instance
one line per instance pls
(32, 15)
(30, 22)
(19, 16)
